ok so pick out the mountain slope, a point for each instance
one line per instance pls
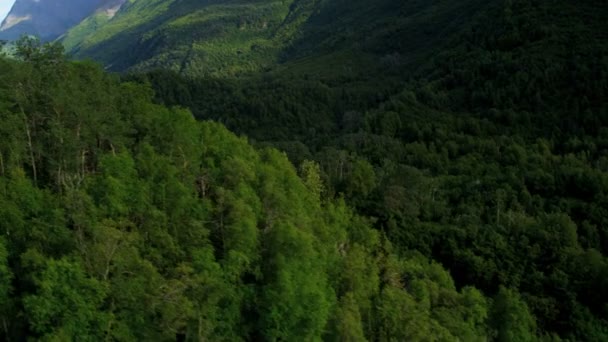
(49, 19)
(236, 37)
(182, 35)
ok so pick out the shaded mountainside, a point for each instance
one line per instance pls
(49, 19)
(521, 64)
(181, 35)
(237, 37)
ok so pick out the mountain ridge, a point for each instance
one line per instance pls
(50, 19)
(241, 37)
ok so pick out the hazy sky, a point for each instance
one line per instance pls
(5, 6)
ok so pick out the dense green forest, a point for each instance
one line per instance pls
(400, 174)
(124, 220)
(490, 158)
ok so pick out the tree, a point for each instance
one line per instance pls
(6, 278)
(66, 304)
(510, 318)
(31, 49)
(348, 323)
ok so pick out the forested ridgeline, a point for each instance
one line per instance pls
(490, 159)
(124, 220)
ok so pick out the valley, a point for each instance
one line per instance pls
(308, 170)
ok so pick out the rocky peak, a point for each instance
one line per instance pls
(49, 19)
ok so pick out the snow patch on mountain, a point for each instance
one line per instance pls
(12, 20)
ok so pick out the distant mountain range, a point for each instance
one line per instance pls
(49, 19)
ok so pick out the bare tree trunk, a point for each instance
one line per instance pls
(110, 323)
(7, 336)
(83, 152)
(20, 93)
(30, 146)
(200, 328)
(498, 215)
(83, 160)
(60, 180)
(1, 164)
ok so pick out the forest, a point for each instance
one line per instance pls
(125, 220)
(465, 199)
(491, 159)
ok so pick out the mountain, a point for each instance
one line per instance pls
(49, 19)
(195, 37)
(239, 37)
(465, 56)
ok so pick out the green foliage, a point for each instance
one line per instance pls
(511, 318)
(187, 36)
(470, 132)
(239, 38)
(125, 220)
(65, 306)
(348, 321)
(311, 175)
(6, 277)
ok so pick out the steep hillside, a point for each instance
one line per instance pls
(48, 19)
(190, 36)
(235, 37)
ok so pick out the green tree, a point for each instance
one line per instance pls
(348, 323)
(510, 318)
(6, 278)
(67, 303)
